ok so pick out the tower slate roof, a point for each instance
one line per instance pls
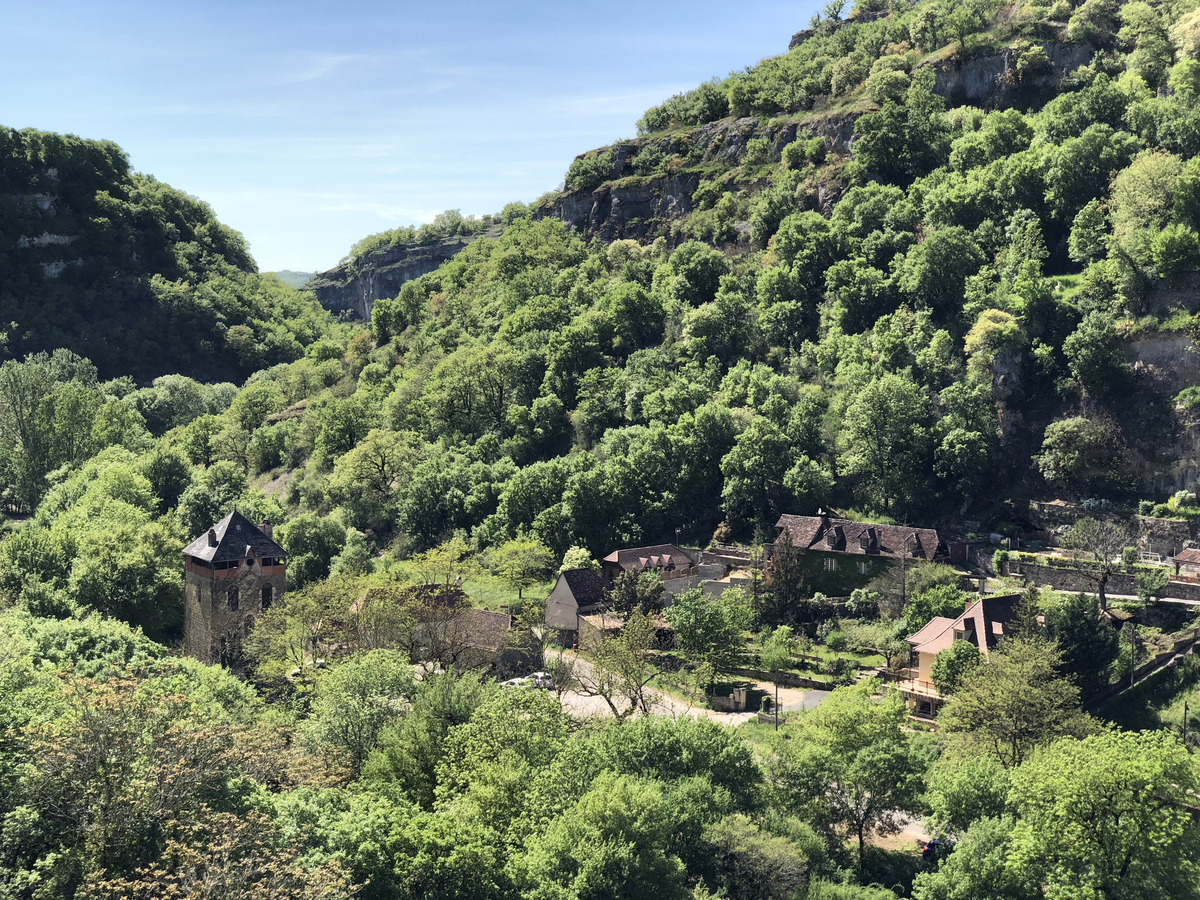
(234, 537)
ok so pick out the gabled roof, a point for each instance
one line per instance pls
(933, 630)
(234, 537)
(1189, 557)
(486, 630)
(586, 586)
(982, 623)
(860, 538)
(658, 556)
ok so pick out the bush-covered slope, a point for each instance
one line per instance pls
(129, 272)
(946, 316)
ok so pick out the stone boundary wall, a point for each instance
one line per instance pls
(788, 678)
(1157, 663)
(1073, 581)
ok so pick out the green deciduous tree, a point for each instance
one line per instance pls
(358, 698)
(1097, 546)
(1109, 817)
(1015, 701)
(885, 440)
(521, 562)
(637, 592)
(850, 766)
(621, 668)
(613, 842)
(711, 628)
(953, 664)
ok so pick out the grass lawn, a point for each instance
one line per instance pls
(1159, 702)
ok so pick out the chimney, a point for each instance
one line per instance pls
(266, 529)
(212, 537)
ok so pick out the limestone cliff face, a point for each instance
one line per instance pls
(353, 287)
(1167, 363)
(633, 205)
(986, 78)
(637, 206)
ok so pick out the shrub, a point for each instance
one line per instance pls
(758, 151)
(590, 170)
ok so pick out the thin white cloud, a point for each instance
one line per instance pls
(319, 67)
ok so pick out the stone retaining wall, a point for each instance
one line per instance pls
(1073, 581)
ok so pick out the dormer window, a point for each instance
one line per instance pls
(865, 541)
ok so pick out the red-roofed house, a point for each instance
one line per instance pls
(982, 624)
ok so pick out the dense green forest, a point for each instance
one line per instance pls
(933, 324)
(134, 275)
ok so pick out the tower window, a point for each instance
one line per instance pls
(268, 595)
(233, 598)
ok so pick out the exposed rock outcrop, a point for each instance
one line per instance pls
(354, 286)
(985, 78)
(635, 206)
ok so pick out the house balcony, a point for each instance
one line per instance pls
(922, 697)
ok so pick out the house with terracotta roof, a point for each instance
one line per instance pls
(842, 554)
(982, 624)
(666, 560)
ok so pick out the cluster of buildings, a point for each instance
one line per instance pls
(837, 554)
(235, 571)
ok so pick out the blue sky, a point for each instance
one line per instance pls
(309, 125)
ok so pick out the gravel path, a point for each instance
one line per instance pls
(581, 703)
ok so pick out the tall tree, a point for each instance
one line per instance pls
(885, 441)
(1112, 816)
(1096, 545)
(1013, 702)
(1088, 642)
(850, 765)
(620, 671)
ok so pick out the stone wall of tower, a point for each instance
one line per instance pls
(213, 628)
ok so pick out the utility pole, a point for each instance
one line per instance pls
(1132, 652)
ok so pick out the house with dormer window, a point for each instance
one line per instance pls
(842, 554)
(665, 560)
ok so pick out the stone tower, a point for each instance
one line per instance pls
(231, 573)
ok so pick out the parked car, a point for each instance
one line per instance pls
(542, 680)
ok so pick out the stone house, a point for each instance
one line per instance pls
(666, 560)
(841, 554)
(577, 593)
(231, 574)
(1187, 563)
